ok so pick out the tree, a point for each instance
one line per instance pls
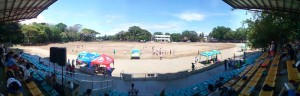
(72, 32)
(157, 33)
(190, 36)
(135, 33)
(88, 34)
(61, 27)
(270, 26)
(201, 36)
(11, 32)
(121, 36)
(167, 33)
(221, 33)
(175, 37)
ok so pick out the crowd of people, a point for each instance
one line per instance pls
(16, 69)
(70, 68)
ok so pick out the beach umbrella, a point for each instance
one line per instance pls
(87, 58)
(103, 60)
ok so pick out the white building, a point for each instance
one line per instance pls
(162, 38)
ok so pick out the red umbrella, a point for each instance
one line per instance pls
(103, 60)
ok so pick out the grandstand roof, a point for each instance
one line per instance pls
(15, 10)
(292, 6)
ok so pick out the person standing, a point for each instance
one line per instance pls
(27, 75)
(114, 51)
(72, 70)
(225, 64)
(68, 68)
(193, 67)
(73, 61)
(2, 51)
(272, 47)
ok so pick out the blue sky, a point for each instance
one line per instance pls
(174, 16)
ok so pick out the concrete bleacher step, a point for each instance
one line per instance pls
(34, 90)
(254, 80)
(271, 77)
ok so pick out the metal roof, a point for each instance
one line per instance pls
(15, 10)
(292, 6)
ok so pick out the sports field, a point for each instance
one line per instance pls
(181, 57)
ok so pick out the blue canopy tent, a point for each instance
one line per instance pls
(207, 54)
(135, 54)
(88, 57)
(216, 52)
(96, 54)
(82, 53)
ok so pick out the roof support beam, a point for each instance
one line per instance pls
(20, 16)
(30, 8)
(247, 3)
(291, 5)
(5, 7)
(11, 8)
(276, 4)
(250, 1)
(45, 6)
(283, 4)
(270, 3)
(241, 5)
(18, 8)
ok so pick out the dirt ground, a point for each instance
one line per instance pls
(123, 49)
(183, 54)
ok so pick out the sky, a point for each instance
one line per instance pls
(173, 16)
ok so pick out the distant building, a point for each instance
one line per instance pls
(205, 38)
(162, 38)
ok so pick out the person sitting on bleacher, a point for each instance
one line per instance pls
(211, 90)
(13, 85)
(11, 63)
(27, 74)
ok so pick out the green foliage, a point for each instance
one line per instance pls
(11, 32)
(167, 33)
(274, 26)
(134, 33)
(88, 34)
(157, 33)
(190, 36)
(221, 33)
(175, 37)
(201, 36)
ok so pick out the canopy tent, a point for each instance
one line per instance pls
(216, 52)
(207, 54)
(96, 54)
(292, 6)
(103, 60)
(82, 53)
(87, 58)
(135, 54)
(135, 51)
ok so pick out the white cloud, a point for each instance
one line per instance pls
(191, 16)
(39, 19)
